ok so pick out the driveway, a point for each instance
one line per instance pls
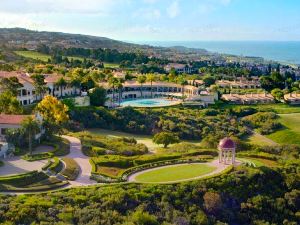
(16, 165)
(83, 161)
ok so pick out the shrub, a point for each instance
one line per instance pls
(71, 170)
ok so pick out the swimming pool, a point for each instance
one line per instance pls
(151, 102)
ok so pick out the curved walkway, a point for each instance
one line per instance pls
(83, 178)
(215, 163)
(17, 165)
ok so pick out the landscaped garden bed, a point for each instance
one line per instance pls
(71, 169)
(31, 181)
(61, 147)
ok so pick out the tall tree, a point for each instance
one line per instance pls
(141, 80)
(39, 84)
(112, 81)
(165, 138)
(30, 127)
(151, 78)
(54, 114)
(10, 84)
(61, 83)
(119, 86)
(182, 81)
(9, 104)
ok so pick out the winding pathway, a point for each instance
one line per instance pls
(83, 178)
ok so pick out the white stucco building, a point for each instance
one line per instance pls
(27, 94)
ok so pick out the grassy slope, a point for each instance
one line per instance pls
(174, 173)
(143, 139)
(34, 55)
(279, 108)
(290, 134)
(256, 139)
(40, 56)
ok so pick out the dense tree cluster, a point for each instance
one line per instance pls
(245, 196)
(184, 122)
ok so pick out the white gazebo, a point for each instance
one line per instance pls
(227, 149)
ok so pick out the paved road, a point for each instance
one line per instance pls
(83, 161)
(215, 163)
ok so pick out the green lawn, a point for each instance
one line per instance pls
(279, 108)
(111, 65)
(34, 55)
(290, 134)
(143, 139)
(174, 173)
(43, 57)
(256, 139)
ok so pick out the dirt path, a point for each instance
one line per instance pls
(262, 137)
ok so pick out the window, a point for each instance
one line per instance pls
(24, 92)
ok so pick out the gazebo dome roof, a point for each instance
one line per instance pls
(227, 143)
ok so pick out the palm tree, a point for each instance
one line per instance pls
(141, 80)
(119, 86)
(61, 83)
(40, 85)
(76, 83)
(112, 83)
(151, 78)
(182, 81)
(30, 127)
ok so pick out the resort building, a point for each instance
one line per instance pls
(292, 98)
(134, 90)
(179, 68)
(240, 84)
(248, 98)
(13, 122)
(227, 151)
(27, 95)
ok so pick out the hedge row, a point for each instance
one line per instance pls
(71, 170)
(60, 149)
(261, 155)
(55, 165)
(23, 179)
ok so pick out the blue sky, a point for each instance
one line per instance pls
(159, 20)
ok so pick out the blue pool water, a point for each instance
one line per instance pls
(155, 102)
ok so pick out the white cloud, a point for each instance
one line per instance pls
(207, 6)
(173, 10)
(149, 14)
(18, 20)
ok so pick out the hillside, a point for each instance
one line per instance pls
(16, 38)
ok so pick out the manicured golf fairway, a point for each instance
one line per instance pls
(290, 134)
(174, 173)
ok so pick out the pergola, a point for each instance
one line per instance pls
(227, 149)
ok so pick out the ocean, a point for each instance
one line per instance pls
(281, 51)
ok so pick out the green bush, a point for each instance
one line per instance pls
(97, 145)
(22, 180)
(71, 170)
(39, 156)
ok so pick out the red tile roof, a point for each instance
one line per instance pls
(12, 119)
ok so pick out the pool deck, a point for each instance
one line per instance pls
(165, 103)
